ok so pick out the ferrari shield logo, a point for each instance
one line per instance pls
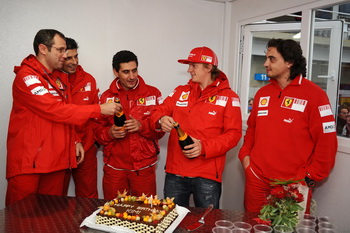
(142, 100)
(288, 102)
(211, 99)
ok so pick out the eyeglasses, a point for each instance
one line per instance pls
(60, 50)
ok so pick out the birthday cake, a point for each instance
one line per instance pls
(141, 214)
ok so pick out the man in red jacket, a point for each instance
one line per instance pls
(208, 110)
(130, 152)
(291, 131)
(83, 91)
(40, 143)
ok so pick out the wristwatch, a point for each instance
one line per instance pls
(310, 182)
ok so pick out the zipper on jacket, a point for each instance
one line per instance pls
(279, 96)
(34, 164)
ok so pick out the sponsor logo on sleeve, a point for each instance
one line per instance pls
(294, 104)
(160, 100)
(31, 79)
(329, 127)
(235, 102)
(39, 90)
(264, 101)
(325, 110)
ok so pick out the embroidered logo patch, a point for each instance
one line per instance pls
(181, 104)
(110, 100)
(329, 127)
(88, 87)
(294, 104)
(206, 58)
(184, 95)
(147, 101)
(31, 79)
(263, 112)
(218, 100)
(325, 110)
(264, 101)
(39, 91)
(235, 102)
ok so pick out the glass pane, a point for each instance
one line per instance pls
(321, 57)
(258, 76)
(321, 67)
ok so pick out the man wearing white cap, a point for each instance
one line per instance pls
(209, 112)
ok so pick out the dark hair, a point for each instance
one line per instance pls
(123, 56)
(291, 52)
(71, 43)
(45, 36)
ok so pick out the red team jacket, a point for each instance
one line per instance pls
(136, 150)
(212, 116)
(291, 132)
(83, 91)
(40, 139)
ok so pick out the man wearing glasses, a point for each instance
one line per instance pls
(41, 143)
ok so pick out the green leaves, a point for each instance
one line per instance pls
(283, 207)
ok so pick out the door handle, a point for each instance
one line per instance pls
(327, 76)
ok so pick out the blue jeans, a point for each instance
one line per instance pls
(205, 191)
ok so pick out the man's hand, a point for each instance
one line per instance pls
(166, 123)
(117, 132)
(246, 161)
(195, 151)
(132, 125)
(79, 151)
(110, 108)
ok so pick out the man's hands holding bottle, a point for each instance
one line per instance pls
(190, 150)
(110, 108)
(193, 150)
(131, 126)
(166, 123)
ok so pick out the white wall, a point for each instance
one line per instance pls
(158, 31)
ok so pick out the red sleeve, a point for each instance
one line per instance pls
(324, 136)
(36, 98)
